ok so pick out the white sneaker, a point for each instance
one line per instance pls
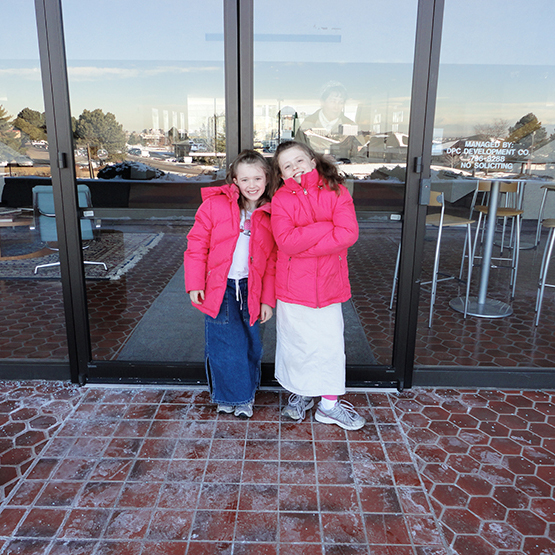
(227, 409)
(297, 405)
(244, 411)
(343, 414)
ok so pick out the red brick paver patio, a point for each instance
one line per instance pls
(135, 471)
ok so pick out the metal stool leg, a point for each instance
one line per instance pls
(543, 272)
(540, 216)
(469, 276)
(395, 277)
(434, 275)
(516, 257)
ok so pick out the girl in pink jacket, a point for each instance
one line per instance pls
(314, 223)
(229, 275)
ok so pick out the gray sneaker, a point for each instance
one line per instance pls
(227, 409)
(343, 414)
(297, 405)
(244, 411)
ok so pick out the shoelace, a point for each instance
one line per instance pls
(297, 401)
(348, 409)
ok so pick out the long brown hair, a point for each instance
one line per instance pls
(251, 157)
(327, 170)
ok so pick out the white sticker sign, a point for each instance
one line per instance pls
(487, 155)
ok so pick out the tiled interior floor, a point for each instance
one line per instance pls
(32, 324)
(137, 471)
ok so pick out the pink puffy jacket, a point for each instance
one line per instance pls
(313, 227)
(210, 247)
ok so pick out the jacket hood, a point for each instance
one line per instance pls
(310, 179)
(229, 189)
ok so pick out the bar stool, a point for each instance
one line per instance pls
(439, 221)
(549, 224)
(546, 188)
(505, 212)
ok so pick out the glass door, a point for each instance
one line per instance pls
(147, 102)
(493, 136)
(31, 304)
(340, 80)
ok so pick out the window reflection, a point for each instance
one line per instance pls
(31, 304)
(322, 78)
(149, 133)
(148, 102)
(494, 131)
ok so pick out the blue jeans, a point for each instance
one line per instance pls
(233, 349)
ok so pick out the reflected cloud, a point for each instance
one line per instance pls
(32, 73)
(93, 73)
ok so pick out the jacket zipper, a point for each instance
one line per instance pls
(288, 271)
(235, 244)
(317, 299)
(340, 270)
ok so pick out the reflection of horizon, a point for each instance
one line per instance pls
(146, 84)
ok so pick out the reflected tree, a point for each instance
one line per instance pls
(496, 129)
(101, 131)
(527, 132)
(9, 136)
(135, 139)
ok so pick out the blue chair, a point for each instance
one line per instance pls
(45, 219)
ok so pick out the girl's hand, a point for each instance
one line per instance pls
(196, 296)
(266, 313)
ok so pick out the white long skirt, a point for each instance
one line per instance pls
(310, 349)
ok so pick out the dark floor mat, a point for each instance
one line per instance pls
(172, 330)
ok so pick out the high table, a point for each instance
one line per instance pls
(481, 306)
(454, 189)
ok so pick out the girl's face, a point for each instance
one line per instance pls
(251, 180)
(293, 162)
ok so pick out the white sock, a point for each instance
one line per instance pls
(327, 404)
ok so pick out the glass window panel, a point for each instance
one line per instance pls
(340, 80)
(147, 97)
(494, 120)
(31, 307)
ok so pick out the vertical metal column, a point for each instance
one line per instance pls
(231, 77)
(238, 44)
(422, 113)
(60, 145)
(246, 73)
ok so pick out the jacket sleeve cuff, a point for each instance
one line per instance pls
(268, 295)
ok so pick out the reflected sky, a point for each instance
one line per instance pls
(496, 60)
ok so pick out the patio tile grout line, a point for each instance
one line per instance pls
(357, 484)
(202, 483)
(316, 477)
(133, 460)
(423, 487)
(239, 491)
(170, 458)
